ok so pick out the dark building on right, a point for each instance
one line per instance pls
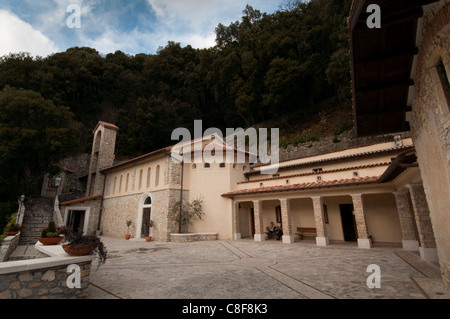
(400, 81)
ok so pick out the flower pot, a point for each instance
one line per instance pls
(78, 250)
(12, 233)
(50, 241)
(127, 237)
(148, 238)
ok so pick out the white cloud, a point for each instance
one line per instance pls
(194, 21)
(17, 35)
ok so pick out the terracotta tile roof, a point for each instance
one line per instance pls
(106, 124)
(109, 125)
(317, 173)
(338, 158)
(304, 186)
(82, 199)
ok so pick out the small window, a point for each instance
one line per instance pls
(207, 165)
(260, 184)
(287, 181)
(148, 201)
(317, 170)
(355, 174)
(319, 178)
(194, 166)
(275, 175)
(222, 165)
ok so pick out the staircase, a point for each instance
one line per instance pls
(37, 216)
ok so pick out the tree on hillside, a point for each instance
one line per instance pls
(34, 134)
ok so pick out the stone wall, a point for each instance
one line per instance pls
(8, 245)
(329, 144)
(45, 277)
(46, 283)
(430, 123)
(185, 238)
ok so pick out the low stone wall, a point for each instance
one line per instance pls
(8, 245)
(184, 238)
(45, 278)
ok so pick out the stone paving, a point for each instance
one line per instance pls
(246, 269)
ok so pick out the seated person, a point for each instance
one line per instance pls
(280, 233)
(272, 229)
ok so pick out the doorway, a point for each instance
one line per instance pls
(145, 231)
(75, 220)
(252, 221)
(146, 217)
(348, 222)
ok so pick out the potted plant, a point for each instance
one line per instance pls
(13, 229)
(49, 235)
(127, 236)
(150, 225)
(81, 245)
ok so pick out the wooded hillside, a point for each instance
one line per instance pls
(262, 67)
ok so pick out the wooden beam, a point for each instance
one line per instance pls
(383, 86)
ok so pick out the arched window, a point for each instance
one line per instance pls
(157, 176)
(120, 184)
(148, 201)
(126, 182)
(114, 185)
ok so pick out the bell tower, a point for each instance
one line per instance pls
(102, 156)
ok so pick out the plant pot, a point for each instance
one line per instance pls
(50, 241)
(12, 233)
(127, 237)
(148, 238)
(78, 250)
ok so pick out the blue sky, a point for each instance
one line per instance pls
(136, 26)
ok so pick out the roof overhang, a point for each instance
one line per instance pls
(382, 64)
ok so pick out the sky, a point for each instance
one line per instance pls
(43, 27)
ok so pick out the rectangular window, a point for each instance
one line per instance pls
(278, 214)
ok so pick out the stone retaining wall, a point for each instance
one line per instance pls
(184, 238)
(44, 278)
(8, 245)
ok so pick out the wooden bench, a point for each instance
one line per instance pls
(306, 231)
(274, 234)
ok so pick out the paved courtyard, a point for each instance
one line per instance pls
(246, 269)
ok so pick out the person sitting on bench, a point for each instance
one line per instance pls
(272, 229)
(280, 233)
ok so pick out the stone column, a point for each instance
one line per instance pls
(288, 236)
(427, 249)
(259, 227)
(322, 237)
(236, 224)
(361, 226)
(409, 239)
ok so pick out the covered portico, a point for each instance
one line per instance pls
(364, 212)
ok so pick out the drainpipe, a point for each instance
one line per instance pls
(181, 195)
(101, 204)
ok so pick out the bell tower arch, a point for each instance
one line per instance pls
(102, 156)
